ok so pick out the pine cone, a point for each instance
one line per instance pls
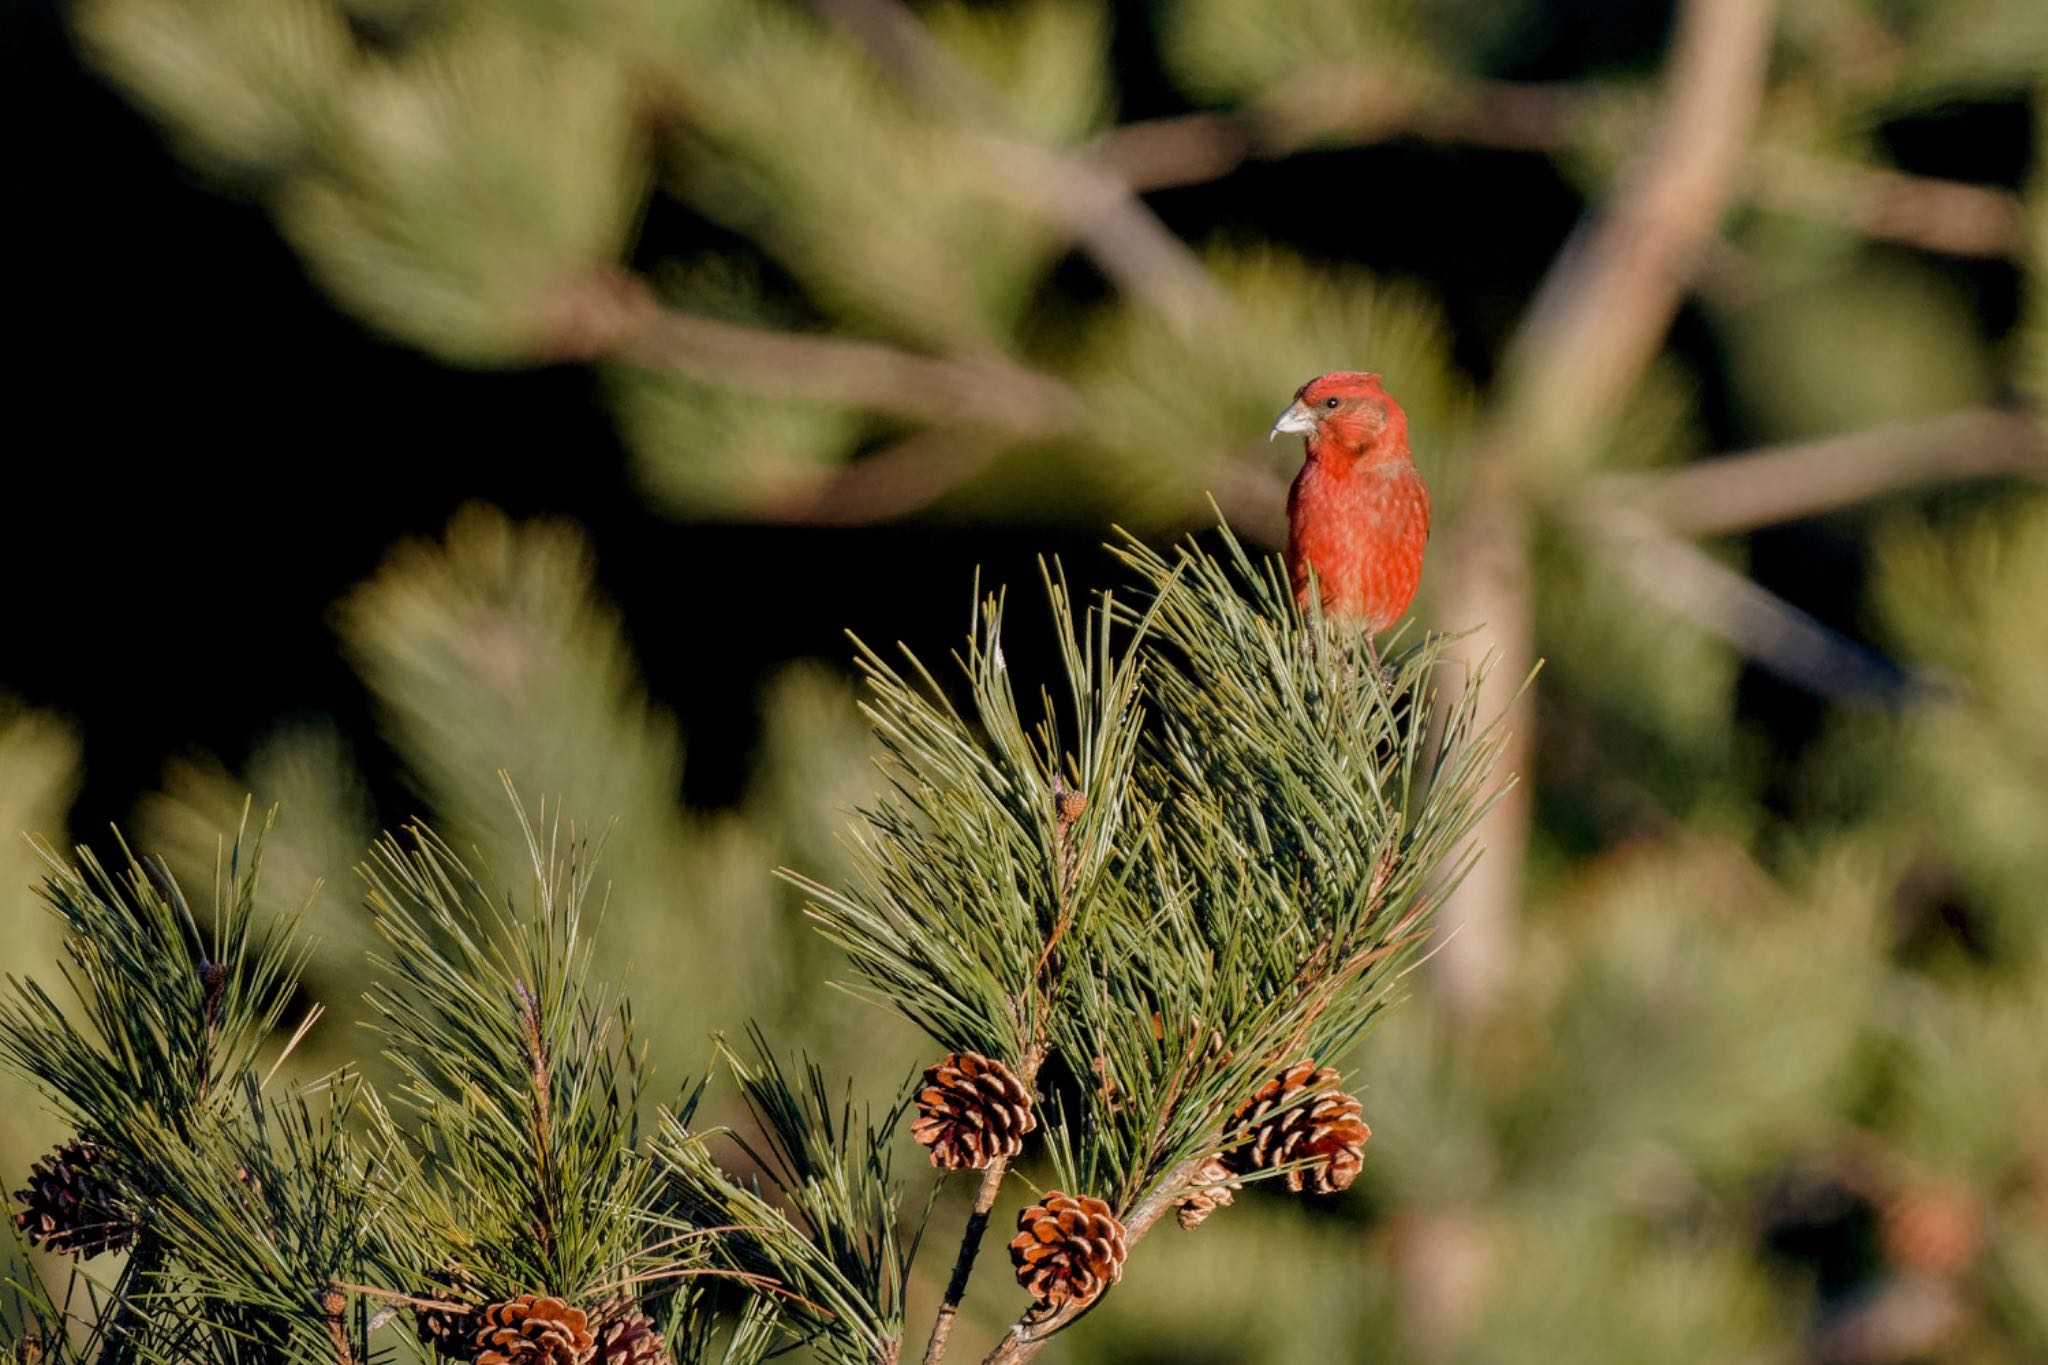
(532, 1330)
(971, 1111)
(625, 1335)
(1326, 1130)
(1067, 1250)
(1210, 1189)
(450, 1331)
(72, 1204)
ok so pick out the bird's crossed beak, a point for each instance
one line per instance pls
(1298, 420)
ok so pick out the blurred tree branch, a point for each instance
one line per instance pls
(986, 390)
(1948, 216)
(1191, 149)
(1098, 208)
(1687, 581)
(1738, 493)
(1592, 329)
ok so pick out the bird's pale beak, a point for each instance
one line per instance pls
(1298, 420)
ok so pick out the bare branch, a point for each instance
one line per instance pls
(1688, 581)
(906, 477)
(1597, 320)
(1605, 305)
(988, 391)
(1949, 216)
(1190, 149)
(1738, 493)
(963, 1264)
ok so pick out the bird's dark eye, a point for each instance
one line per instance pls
(1329, 402)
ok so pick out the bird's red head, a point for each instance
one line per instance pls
(1347, 411)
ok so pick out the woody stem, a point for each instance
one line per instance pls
(963, 1265)
(1030, 1333)
(1065, 863)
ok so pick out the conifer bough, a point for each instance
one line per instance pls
(1206, 855)
(1126, 921)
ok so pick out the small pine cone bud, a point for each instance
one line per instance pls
(532, 1330)
(72, 1204)
(1067, 1250)
(450, 1331)
(625, 1335)
(1068, 806)
(1209, 1190)
(971, 1111)
(1326, 1131)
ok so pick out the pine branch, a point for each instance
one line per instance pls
(1950, 217)
(987, 391)
(985, 1196)
(1734, 494)
(1029, 1334)
(1258, 825)
(1097, 209)
(1595, 323)
(829, 1252)
(524, 1077)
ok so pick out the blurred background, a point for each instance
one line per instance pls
(407, 389)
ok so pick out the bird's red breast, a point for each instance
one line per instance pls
(1358, 514)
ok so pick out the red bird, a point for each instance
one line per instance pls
(1358, 514)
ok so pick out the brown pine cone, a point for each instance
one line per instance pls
(1325, 1130)
(971, 1111)
(1209, 1190)
(532, 1330)
(450, 1331)
(625, 1335)
(72, 1205)
(1067, 1250)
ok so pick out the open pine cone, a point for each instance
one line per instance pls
(625, 1335)
(1067, 1250)
(450, 1331)
(1209, 1190)
(72, 1205)
(532, 1330)
(1326, 1131)
(971, 1111)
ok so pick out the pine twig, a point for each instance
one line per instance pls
(1068, 807)
(963, 1264)
(540, 1077)
(1029, 1334)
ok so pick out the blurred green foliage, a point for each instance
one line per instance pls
(1766, 1081)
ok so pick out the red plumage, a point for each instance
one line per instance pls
(1358, 514)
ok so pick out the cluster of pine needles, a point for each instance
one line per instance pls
(1130, 924)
